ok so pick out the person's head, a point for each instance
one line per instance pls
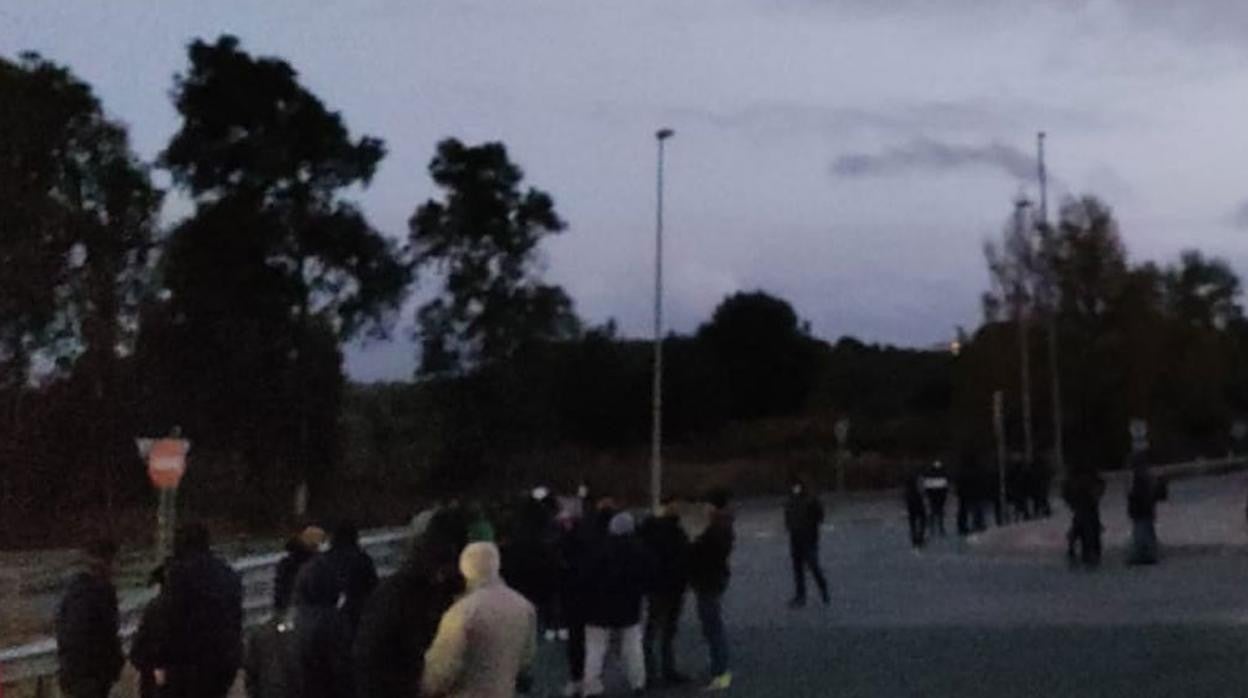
(797, 486)
(480, 563)
(622, 524)
(311, 538)
(191, 538)
(604, 502)
(669, 505)
(937, 465)
(100, 557)
(346, 535)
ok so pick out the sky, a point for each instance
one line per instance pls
(850, 156)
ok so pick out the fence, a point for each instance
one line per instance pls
(36, 661)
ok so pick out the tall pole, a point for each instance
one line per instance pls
(656, 445)
(1055, 381)
(1024, 347)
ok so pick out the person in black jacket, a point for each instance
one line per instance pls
(401, 617)
(669, 546)
(203, 647)
(802, 518)
(87, 645)
(145, 647)
(345, 573)
(530, 559)
(709, 575)
(300, 550)
(615, 581)
(576, 546)
(1142, 500)
(916, 512)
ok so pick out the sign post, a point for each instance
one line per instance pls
(166, 464)
(842, 438)
(998, 430)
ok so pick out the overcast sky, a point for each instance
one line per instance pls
(847, 157)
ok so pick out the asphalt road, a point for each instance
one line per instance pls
(955, 621)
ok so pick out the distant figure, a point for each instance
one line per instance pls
(577, 546)
(802, 518)
(300, 550)
(669, 545)
(402, 616)
(616, 578)
(1083, 492)
(480, 530)
(936, 487)
(204, 645)
(487, 640)
(150, 636)
(709, 575)
(531, 562)
(1142, 500)
(916, 512)
(87, 622)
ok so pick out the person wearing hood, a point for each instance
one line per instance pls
(487, 640)
(669, 544)
(936, 487)
(616, 580)
(144, 647)
(87, 621)
(709, 576)
(345, 574)
(802, 518)
(300, 550)
(402, 616)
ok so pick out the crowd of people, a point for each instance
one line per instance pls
(978, 492)
(462, 615)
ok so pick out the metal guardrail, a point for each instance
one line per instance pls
(36, 661)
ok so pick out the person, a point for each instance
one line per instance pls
(616, 579)
(917, 513)
(345, 572)
(709, 574)
(402, 615)
(1142, 500)
(203, 648)
(1082, 492)
(330, 592)
(531, 560)
(150, 635)
(936, 487)
(271, 660)
(585, 536)
(480, 529)
(802, 518)
(87, 624)
(669, 548)
(487, 640)
(300, 550)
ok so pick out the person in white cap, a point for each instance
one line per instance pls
(487, 640)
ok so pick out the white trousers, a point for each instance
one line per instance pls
(597, 641)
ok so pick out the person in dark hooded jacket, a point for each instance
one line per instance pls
(616, 580)
(345, 572)
(300, 550)
(669, 545)
(709, 575)
(88, 650)
(401, 617)
(151, 634)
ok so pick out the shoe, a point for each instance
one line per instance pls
(797, 603)
(563, 634)
(550, 636)
(723, 682)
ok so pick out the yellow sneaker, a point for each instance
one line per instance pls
(720, 683)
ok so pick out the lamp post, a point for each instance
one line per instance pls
(656, 455)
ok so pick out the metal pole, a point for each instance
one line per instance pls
(998, 429)
(166, 521)
(1024, 345)
(656, 455)
(1055, 380)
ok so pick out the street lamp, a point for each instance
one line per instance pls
(656, 457)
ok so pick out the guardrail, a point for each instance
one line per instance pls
(36, 661)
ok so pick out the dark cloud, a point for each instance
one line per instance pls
(925, 155)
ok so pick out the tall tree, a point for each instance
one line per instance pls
(276, 263)
(483, 238)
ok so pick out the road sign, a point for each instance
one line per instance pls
(166, 460)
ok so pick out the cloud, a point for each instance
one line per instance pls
(1239, 217)
(926, 155)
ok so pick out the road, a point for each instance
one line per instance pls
(959, 620)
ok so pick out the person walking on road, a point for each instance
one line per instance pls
(936, 487)
(87, 622)
(709, 575)
(616, 580)
(487, 640)
(1142, 500)
(669, 545)
(916, 512)
(802, 518)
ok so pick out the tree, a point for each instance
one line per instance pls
(276, 268)
(483, 239)
(764, 355)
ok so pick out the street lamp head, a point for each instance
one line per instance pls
(664, 133)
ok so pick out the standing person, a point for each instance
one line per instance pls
(936, 487)
(669, 548)
(344, 572)
(204, 645)
(401, 617)
(1083, 492)
(585, 536)
(145, 647)
(87, 625)
(300, 550)
(917, 513)
(708, 575)
(487, 640)
(531, 560)
(1142, 500)
(802, 518)
(616, 580)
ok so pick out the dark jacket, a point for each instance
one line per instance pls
(914, 497)
(287, 571)
(323, 646)
(87, 621)
(271, 666)
(669, 547)
(1142, 497)
(615, 580)
(530, 565)
(803, 516)
(345, 572)
(204, 620)
(708, 572)
(145, 648)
